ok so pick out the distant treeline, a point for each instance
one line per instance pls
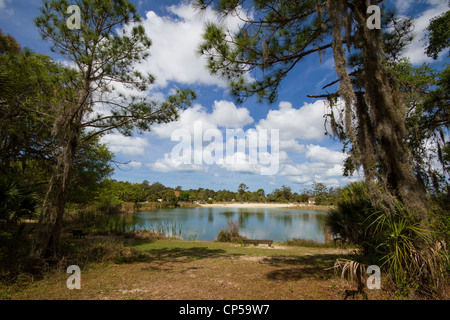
(119, 191)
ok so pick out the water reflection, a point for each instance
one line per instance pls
(256, 223)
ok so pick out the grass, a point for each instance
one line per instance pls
(151, 268)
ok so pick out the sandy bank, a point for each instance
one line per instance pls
(265, 205)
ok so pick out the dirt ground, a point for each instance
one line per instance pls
(199, 271)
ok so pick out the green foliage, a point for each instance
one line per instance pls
(105, 57)
(414, 258)
(16, 200)
(353, 215)
(427, 95)
(320, 193)
(399, 243)
(92, 165)
(27, 90)
(439, 35)
(106, 52)
(8, 44)
(242, 188)
(109, 204)
(274, 41)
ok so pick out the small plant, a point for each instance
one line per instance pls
(230, 233)
(193, 235)
(415, 263)
(354, 272)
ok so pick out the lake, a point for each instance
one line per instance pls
(204, 223)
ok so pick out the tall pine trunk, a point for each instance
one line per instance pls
(67, 129)
(50, 223)
(387, 117)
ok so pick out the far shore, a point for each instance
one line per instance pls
(267, 205)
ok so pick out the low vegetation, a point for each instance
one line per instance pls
(130, 267)
(55, 174)
(395, 242)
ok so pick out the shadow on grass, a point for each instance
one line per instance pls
(317, 266)
(175, 255)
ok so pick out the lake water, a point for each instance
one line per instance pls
(204, 223)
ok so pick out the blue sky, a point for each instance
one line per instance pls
(306, 155)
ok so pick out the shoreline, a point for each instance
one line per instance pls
(266, 205)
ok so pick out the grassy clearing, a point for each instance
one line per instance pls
(134, 268)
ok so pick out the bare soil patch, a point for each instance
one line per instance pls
(173, 270)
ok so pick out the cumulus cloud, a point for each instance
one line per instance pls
(3, 3)
(318, 153)
(118, 143)
(416, 50)
(225, 114)
(267, 164)
(183, 27)
(402, 6)
(304, 123)
(325, 166)
(287, 124)
(171, 164)
(131, 165)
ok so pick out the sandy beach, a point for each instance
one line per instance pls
(265, 205)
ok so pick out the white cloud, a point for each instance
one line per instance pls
(318, 153)
(293, 125)
(182, 28)
(125, 145)
(131, 165)
(238, 162)
(416, 50)
(3, 8)
(186, 121)
(328, 182)
(225, 114)
(267, 164)
(325, 166)
(335, 171)
(306, 123)
(3, 3)
(402, 6)
(301, 180)
(292, 145)
(169, 164)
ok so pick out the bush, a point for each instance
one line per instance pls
(399, 242)
(109, 205)
(230, 233)
(353, 216)
(16, 200)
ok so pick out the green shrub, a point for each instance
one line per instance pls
(412, 255)
(352, 217)
(16, 200)
(230, 233)
(109, 204)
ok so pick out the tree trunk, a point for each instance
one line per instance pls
(67, 129)
(46, 244)
(387, 117)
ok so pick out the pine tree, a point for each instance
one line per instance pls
(104, 60)
(276, 36)
(274, 39)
